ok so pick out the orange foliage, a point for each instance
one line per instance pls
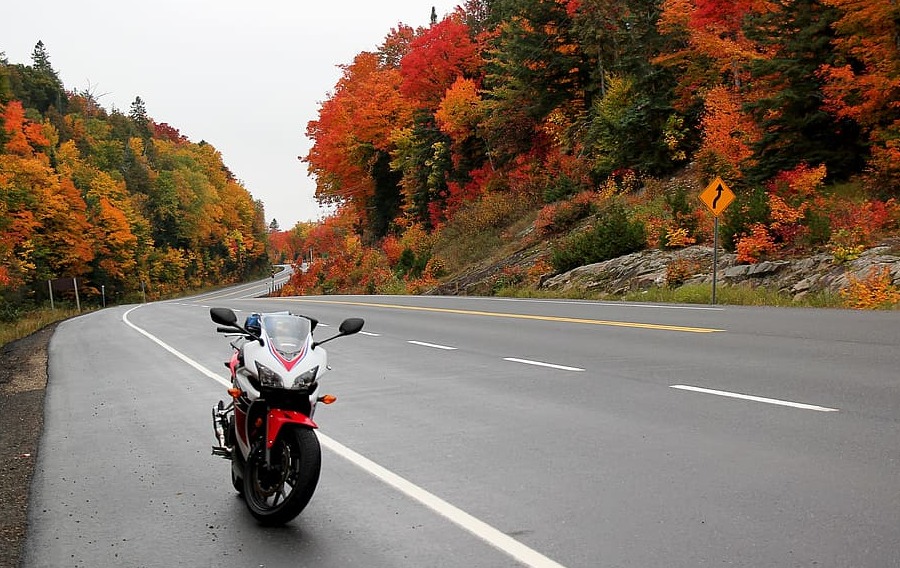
(359, 117)
(544, 223)
(715, 33)
(728, 132)
(67, 231)
(868, 92)
(392, 249)
(680, 270)
(756, 246)
(876, 291)
(459, 111)
(16, 127)
(116, 242)
(802, 182)
(866, 32)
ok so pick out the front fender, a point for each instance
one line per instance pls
(277, 418)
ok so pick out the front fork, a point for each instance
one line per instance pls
(221, 422)
(275, 419)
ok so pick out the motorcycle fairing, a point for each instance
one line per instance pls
(234, 363)
(277, 418)
(288, 364)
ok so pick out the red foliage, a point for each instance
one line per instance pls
(165, 132)
(396, 45)
(392, 249)
(724, 14)
(436, 59)
(571, 6)
(866, 220)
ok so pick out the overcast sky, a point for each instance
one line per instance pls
(246, 76)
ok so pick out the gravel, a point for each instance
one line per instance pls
(23, 379)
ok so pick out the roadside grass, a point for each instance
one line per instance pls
(734, 296)
(690, 294)
(33, 321)
(21, 324)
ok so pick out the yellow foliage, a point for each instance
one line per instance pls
(679, 238)
(875, 291)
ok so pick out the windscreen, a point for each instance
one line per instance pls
(286, 332)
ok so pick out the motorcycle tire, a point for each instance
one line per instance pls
(277, 493)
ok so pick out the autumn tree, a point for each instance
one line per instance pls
(787, 100)
(436, 59)
(115, 199)
(862, 83)
(352, 141)
(536, 65)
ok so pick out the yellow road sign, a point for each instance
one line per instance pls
(717, 196)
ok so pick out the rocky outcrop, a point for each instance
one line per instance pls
(693, 265)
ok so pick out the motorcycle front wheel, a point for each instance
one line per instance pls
(278, 492)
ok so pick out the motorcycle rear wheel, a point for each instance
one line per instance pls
(277, 493)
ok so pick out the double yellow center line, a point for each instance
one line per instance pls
(514, 316)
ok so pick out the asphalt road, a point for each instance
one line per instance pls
(487, 432)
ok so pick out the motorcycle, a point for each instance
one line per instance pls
(267, 430)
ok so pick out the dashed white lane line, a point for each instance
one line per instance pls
(370, 334)
(541, 364)
(432, 345)
(774, 401)
(492, 536)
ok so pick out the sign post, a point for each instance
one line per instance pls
(717, 197)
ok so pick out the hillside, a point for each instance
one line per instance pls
(566, 133)
(122, 202)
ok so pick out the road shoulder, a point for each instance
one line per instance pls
(23, 381)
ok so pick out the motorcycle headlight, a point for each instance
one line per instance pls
(306, 379)
(267, 377)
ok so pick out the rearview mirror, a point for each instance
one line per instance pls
(348, 327)
(351, 325)
(223, 316)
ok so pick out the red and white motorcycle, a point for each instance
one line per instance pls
(267, 430)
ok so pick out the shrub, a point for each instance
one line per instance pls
(612, 235)
(748, 209)
(678, 238)
(845, 245)
(680, 269)
(544, 223)
(875, 291)
(477, 228)
(755, 246)
(560, 188)
(410, 264)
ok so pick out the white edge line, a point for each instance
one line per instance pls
(432, 345)
(460, 518)
(455, 515)
(540, 364)
(756, 398)
(173, 351)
